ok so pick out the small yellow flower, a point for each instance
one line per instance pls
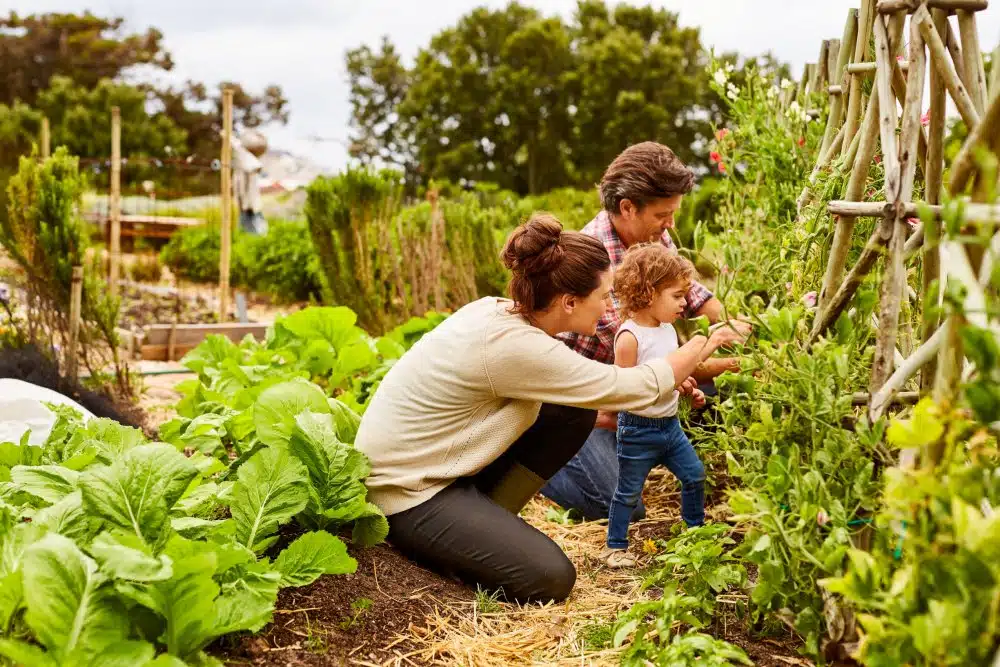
(649, 547)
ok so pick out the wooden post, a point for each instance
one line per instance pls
(944, 64)
(933, 172)
(844, 53)
(115, 205)
(994, 85)
(227, 203)
(46, 139)
(865, 20)
(981, 136)
(898, 192)
(841, 245)
(75, 306)
(975, 75)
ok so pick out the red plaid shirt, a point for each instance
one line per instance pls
(602, 346)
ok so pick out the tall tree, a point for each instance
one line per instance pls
(85, 48)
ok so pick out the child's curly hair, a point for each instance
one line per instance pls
(647, 269)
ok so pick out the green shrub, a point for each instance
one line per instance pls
(193, 253)
(282, 263)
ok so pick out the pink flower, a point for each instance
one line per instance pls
(925, 120)
(878, 159)
(721, 134)
(822, 518)
(913, 222)
(722, 168)
(899, 59)
(810, 299)
(714, 157)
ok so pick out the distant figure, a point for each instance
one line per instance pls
(246, 180)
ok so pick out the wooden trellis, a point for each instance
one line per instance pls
(947, 63)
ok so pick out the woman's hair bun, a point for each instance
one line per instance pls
(533, 247)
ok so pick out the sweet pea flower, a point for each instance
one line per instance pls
(899, 59)
(925, 120)
(913, 222)
(822, 518)
(722, 168)
(810, 299)
(714, 157)
(802, 141)
(721, 134)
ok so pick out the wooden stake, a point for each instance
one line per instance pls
(898, 191)
(868, 69)
(836, 304)
(893, 6)
(918, 358)
(844, 52)
(982, 136)
(46, 138)
(841, 245)
(116, 199)
(988, 214)
(933, 171)
(994, 85)
(227, 203)
(865, 20)
(944, 65)
(75, 306)
(973, 59)
(952, 44)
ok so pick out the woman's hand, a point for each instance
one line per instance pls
(607, 420)
(687, 386)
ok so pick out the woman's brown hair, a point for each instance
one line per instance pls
(647, 269)
(547, 261)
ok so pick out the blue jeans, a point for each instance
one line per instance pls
(642, 444)
(587, 482)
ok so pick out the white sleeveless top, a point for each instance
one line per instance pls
(654, 343)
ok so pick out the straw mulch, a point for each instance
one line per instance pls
(575, 632)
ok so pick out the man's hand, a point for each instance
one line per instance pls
(698, 398)
(607, 420)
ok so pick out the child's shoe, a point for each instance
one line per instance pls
(618, 558)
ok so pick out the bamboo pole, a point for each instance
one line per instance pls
(75, 306)
(954, 50)
(115, 203)
(994, 85)
(933, 172)
(865, 20)
(227, 203)
(46, 139)
(821, 75)
(887, 111)
(944, 65)
(841, 245)
(899, 88)
(983, 213)
(973, 59)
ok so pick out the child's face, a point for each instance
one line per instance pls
(669, 304)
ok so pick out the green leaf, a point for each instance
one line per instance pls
(312, 555)
(271, 488)
(124, 557)
(70, 610)
(277, 406)
(22, 653)
(114, 439)
(924, 428)
(47, 484)
(346, 420)
(203, 434)
(67, 517)
(195, 528)
(335, 325)
(138, 490)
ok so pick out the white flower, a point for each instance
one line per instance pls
(729, 68)
(772, 92)
(794, 107)
(732, 92)
(785, 83)
(720, 77)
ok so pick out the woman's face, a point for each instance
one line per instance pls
(584, 312)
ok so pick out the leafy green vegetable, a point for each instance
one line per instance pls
(271, 488)
(312, 555)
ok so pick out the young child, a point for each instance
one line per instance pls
(651, 285)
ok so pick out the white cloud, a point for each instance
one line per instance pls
(300, 44)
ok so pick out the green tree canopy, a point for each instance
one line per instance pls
(533, 102)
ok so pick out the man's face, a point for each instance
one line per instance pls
(649, 222)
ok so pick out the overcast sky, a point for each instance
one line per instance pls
(300, 44)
